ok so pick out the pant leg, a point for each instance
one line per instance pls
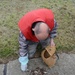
(45, 43)
(32, 48)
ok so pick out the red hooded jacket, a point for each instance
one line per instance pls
(25, 23)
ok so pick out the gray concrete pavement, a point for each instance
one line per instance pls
(1, 69)
(64, 66)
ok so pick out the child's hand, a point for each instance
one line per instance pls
(24, 67)
(23, 61)
(52, 42)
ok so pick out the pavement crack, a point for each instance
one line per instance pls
(5, 69)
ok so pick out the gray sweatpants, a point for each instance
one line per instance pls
(32, 46)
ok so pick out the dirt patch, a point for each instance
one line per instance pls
(38, 71)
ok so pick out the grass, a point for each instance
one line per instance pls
(12, 10)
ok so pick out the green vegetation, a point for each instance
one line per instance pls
(12, 10)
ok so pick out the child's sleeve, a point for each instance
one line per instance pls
(22, 45)
(23, 59)
(53, 33)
